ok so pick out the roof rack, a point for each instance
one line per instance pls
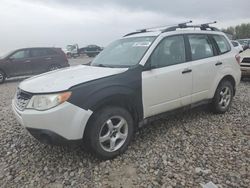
(167, 28)
(205, 26)
(157, 28)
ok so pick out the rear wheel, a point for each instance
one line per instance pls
(2, 77)
(223, 97)
(109, 132)
(54, 67)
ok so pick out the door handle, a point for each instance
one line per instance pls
(27, 61)
(48, 58)
(218, 63)
(186, 71)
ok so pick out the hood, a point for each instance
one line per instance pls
(63, 79)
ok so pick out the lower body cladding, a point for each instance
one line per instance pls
(62, 124)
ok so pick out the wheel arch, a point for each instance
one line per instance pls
(229, 78)
(118, 100)
(4, 72)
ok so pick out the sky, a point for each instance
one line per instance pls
(38, 23)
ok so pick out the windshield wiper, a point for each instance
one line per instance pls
(102, 65)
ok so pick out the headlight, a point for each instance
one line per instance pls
(45, 102)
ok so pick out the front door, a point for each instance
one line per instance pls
(168, 85)
(19, 63)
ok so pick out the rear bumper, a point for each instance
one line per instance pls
(245, 71)
(66, 122)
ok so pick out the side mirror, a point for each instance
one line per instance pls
(148, 66)
(10, 58)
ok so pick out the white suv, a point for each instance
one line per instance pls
(134, 79)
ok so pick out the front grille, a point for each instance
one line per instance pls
(22, 99)
(246, 60)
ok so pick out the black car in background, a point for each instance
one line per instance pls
(30, 61)
(91, 50)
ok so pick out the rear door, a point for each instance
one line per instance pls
(19, 63)
(42, 59)
(204, 65)
(168, 84)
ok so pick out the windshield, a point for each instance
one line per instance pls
(70, 47)
(6, 55)
(124, 52)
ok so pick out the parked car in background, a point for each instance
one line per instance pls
(30, 61)
(92, 50)
(134, 80)
(72, 51)
(237, 46)
(245, 64)
(245, 43)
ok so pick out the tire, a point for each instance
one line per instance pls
(223, 97)
(104, 137)
(54, 67)
(2, 77)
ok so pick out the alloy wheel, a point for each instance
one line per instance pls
(113, 134)
(225, 97)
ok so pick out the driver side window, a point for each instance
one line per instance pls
(170, 51)
(21, 54)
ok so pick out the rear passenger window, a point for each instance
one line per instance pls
(200, 47)
(51, 52)
(222, 43)
(38, 52)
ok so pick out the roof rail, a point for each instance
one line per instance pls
(201, 26)
(157, 28)
(168, 28)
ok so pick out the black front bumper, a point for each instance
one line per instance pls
(51, 138)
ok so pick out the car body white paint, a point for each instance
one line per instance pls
(63, 79)
(165, 89)
(67, 120)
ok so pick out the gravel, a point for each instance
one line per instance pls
(184, 150)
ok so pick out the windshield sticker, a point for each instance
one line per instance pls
(142, 44)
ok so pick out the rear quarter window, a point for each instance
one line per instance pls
(38, 52)
(222, 43)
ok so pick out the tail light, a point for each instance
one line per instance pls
(237, 57)
(65, 56)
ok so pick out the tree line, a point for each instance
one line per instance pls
(239, 32)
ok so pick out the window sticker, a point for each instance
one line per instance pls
(142, 44)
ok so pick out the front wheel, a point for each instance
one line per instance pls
(223, 97)
(109, 132)
(2, 77)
